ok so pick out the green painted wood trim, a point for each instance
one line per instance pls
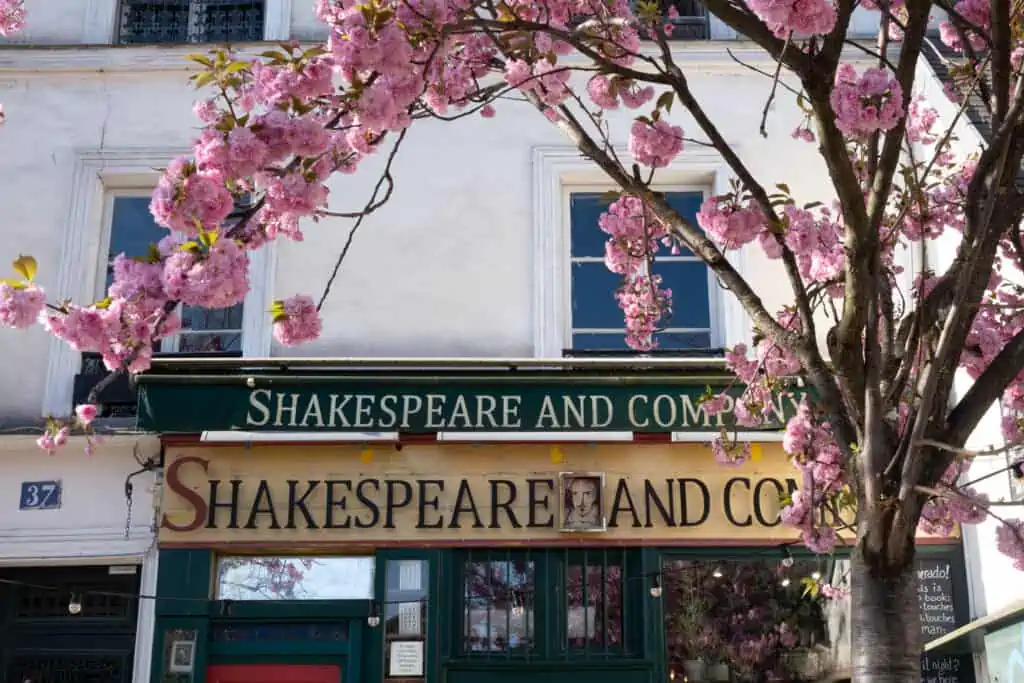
(288, 610)
(375, 666)
(284, 650)
(184, 582)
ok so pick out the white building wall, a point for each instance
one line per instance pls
(91, 526)
(447, 268)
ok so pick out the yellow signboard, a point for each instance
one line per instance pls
(499, 494)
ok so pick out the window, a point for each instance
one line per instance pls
(209, 331)
(498, 603)
(191, 21)
(596, 320)
(692, 22)
(294, 578)
(594, 602)
(554, 605)
(747, 621)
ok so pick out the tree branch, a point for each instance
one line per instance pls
(985, 390)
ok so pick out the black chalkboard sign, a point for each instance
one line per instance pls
(935, 598)
(947, 669)
(941, 614)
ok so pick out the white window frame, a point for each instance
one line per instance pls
(98, 174)
(102, 16)
(560, 171)
(714, 291)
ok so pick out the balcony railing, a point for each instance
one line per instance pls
(117, 399)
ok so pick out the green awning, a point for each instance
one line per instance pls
(430, 395)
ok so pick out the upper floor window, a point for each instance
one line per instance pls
(596, 321)
(692, 22)
(132, 230)
(191, 21)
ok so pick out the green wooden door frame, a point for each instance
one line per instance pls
(375, 666)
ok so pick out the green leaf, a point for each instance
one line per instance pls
(275, 54)
(25, 266)
(665, 101)
(200, 59)
(12, 283)
(812, 205)
(277, 312)
(208, 238)
(784, 187)
(235, 67)
(203, 79)
(191, 246)
(314, 51)
(103, 304)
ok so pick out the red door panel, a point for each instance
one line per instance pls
(273, 673)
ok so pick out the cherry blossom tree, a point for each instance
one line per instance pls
(881, 447)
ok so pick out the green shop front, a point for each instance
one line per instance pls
(471, 525)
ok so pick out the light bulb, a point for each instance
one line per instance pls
(656, 590)
(518, 611)
(373, 619)
(785, 582)
(816, 575)
(717, 573)
(672, 675)
(75, 604)
(787, 562)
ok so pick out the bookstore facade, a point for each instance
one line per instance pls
(445, 555)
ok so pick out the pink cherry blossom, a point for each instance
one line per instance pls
(867, 103)
(86, 413)
(12, 16)
(296, 320)
(657, 144)
(20, 304)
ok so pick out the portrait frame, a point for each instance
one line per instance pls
(182, 658)
(565, 481)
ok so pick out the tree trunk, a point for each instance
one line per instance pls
(886, 624)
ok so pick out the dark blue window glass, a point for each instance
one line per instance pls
(132, 231)
(597, 323)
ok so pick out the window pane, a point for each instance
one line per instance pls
(219, 21)
(154, 21)
(594, 609)
(191, 21)
(132, 230)
(499, 606)
(749, 620)
(405, 613)
(585, 208)
(207, 342)
(295, 578)
(196, 318)
(594, 305)
(616, 341)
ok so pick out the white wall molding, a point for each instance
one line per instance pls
(693, 56)
(100, 22)
(146, 618)
(277, 20)
(557, 169)
(95, 172)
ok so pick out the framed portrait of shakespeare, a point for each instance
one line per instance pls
(582, 506)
